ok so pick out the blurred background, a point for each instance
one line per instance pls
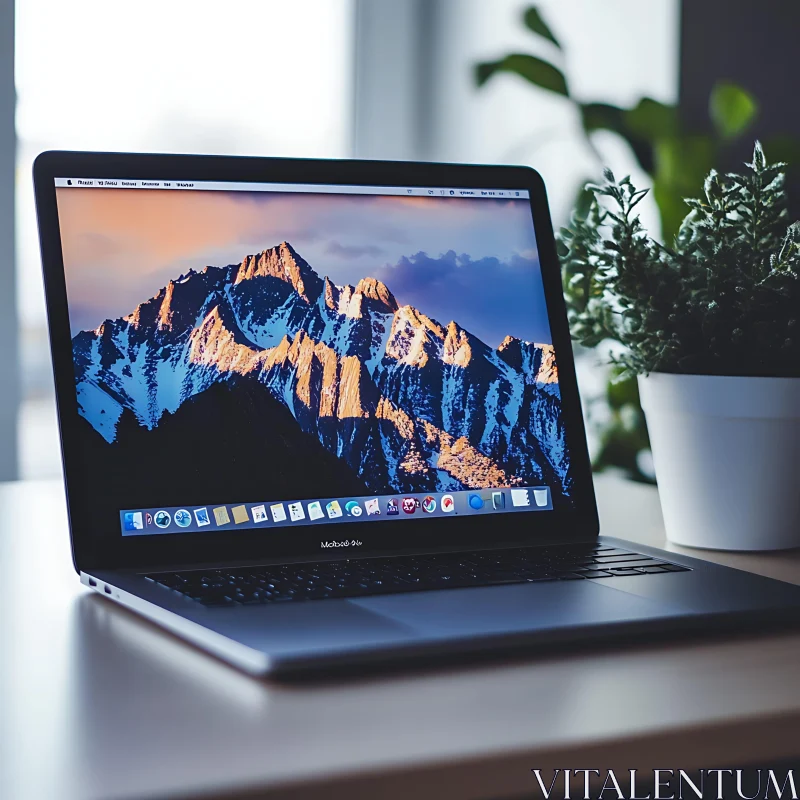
(397, 79)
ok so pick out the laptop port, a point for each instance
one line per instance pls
(108, 589)
(92, 582)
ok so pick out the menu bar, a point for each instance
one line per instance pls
(241, 516)
(308, 188)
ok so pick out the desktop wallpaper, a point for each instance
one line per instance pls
(251, 345)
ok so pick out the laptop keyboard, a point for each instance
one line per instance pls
(280, 583)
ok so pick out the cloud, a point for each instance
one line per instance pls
(489, 297)
(351, 251)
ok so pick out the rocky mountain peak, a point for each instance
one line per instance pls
(510, 350)
(457, 348)
(282, 262)
(331, 293)
(165, 312)
(414, 337)
(378, 291)
(536, 361)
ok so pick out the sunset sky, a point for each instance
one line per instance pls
(471, 260)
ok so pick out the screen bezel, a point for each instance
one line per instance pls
(109, 549)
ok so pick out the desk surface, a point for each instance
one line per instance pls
(96, 703)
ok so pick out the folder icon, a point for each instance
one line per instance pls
(240, 514)
(221, 515)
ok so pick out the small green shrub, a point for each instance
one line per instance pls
(723, 299)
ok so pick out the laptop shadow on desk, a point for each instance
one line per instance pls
(116, 651)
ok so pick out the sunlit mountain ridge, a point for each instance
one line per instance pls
(408, 403)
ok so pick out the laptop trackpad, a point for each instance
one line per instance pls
(518, 607)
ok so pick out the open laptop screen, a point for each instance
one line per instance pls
(268, 356)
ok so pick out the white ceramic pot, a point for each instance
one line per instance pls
(726, 452)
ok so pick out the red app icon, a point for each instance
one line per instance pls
(409, 505)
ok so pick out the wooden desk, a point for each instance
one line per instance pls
(95, 703)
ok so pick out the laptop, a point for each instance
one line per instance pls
(324, 414)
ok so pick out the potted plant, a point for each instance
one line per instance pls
(675, 157)
(711, 328)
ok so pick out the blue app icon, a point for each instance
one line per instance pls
(475, 501)
(162, 518)
(353, 509)
(183, 518)
(133, 520)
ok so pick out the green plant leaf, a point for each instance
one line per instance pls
(583, 201)
(535, 70)
(534, 22)
(732, 109)
(624, 436)
(607, 117)
(652, 120)
(681, 164)
(621, 390)
(602, 116)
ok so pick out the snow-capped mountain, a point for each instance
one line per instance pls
(406, 402)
